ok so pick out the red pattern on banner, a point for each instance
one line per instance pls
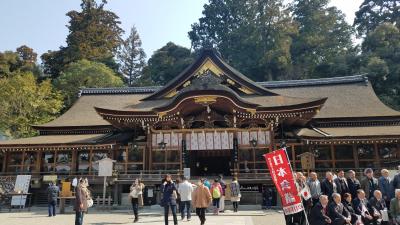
(281, 174)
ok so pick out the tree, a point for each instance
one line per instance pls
(132, 57)
(94, 34)
(324, 37)
(372, 13)
(22, 60)
(85, 74)
(24, 102)
(166, 63)
(252, 35)
(381, 50)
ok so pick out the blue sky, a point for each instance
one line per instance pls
(41, 24)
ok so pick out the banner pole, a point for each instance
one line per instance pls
(291, 169)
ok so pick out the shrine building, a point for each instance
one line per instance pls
(214, 120)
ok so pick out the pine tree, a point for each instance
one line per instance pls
(132, 57)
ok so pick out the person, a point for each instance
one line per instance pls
(369, 184)
(169, 191)
(201, 200)
(301, 184)
(363, 208)
(136, 196)
(319, 213)
(341, 183)
(353, 183)
(378, 205)
(185, 190)
(395, 207)
(337, 212)
(216, 193)
(207, 183)
(178, 196)
(328, 186)
(235, 194)
(396, 181)
(315, 187)
(222, 199)
(385, 186)
(347, 203)
(80, 202)
(52, 195)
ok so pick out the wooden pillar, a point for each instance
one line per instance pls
(272, 137)
(38, 162)
(149, 150)
(333, 156)
(377, 158)
(4, 162)
(293, 156)
(355, 155)
(74, 161)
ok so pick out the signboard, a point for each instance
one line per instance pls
(50, 178)
(66, 189)
(186, 173)
(21, 186)
(106, 167)
(307, 160)
(281, 174)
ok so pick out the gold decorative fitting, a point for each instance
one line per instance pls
(171, 94)
(205, 99)
(187, 83)
(231, 82)
(246, 90)
(208, 65)
(161, 114)
(251, 111)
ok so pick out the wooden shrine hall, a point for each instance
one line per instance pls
(213, 120)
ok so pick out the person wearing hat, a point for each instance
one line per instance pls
(52, 195)
(369, 184)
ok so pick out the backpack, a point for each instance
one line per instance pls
(216, 193)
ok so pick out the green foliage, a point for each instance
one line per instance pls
(381, 49)
(165, 64)
(94, 34)
(132, 57)
(22, 60)
(86, 74)
(24, 102)
(253, 35)
(324, 38)
(373, 13)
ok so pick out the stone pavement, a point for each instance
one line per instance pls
(38, 216)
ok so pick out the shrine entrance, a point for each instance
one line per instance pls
(210, 163)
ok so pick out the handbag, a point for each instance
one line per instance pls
(89, 202)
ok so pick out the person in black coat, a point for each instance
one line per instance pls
(347, 203)
(52, 195)
(319, 213)
(341, 183)
(363, 208)
(168, 200)
(328, 186)
(353, 183)
(337, 212)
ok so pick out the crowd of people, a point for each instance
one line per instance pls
(339, 199)
(185, 195)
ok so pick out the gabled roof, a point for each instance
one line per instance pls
(348, 97)
(209, 60)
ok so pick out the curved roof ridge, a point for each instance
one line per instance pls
(316, 81)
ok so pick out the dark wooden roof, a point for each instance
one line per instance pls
(348, 97)
(228, 71)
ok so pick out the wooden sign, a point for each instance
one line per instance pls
(66, 189)
(106, 167)
(307, 160)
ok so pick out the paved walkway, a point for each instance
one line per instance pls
(39, 217)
